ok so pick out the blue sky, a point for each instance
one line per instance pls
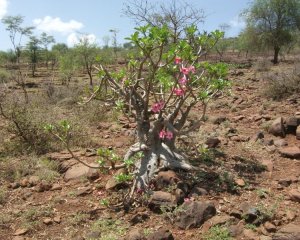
(67, 20)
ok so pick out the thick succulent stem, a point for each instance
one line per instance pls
(155, 158)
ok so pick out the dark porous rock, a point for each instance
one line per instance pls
(212, 142)
(277, 128)
(257, 136)
(290, 152)
(43, 186)
(291, 125)
(139, 218)
(250, 213)
(160, 198)
(194, 214)
(161, 234)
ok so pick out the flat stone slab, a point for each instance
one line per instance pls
(290, 152)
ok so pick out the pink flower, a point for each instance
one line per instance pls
(192, 69)
(183, 80)
(187, 70)
(178, 60)
(156, 107)
(169, 135)
(162, 134)
(178, 91)
(184, 70)
(187, 200)
(139, 191)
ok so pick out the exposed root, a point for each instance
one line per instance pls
(156, 158)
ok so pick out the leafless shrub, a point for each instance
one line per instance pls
(283, 84)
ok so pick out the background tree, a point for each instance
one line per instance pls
(57, 50)
(176, 14)
(45, 41)
(16, 33)
(273, 22)
(33, 48)
(86, 54)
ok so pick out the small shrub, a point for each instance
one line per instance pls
(4, 76)
(263, 65)
(283, 84)
(217, 233)
(3, 195)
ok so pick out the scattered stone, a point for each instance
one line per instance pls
(55, 187)
(47, 221)
(250, 213)
(15, 185)
(93, 235)
(257, 136)
(236, 230)
(240, 182)
(160, 198)
(21, 231)
(250, 234)
(79, 171)
(33, 180)
(290, 215)
(277, 128)
(288, 232)
(238, 118)
(219, 120)
(24, 182)
(161, 234)
(198, 191)
(112, 183)
(57, 219)
(290, 152)
(18, 238)
(135, 234)
(139, 218)
(268, 142)
(93, 174)
(280, 143)
(90, 152)
(212, 142)
(294, 195)
(43, 186)
(298, 133)
(194, 214)
(240, 138)
(270, 227)
(166, 178)
(265, 238)
(83, 191)
(291, 125)
(287, 181)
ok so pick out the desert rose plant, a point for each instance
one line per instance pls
(159, 88)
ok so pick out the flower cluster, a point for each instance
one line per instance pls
(156, 107)
(178, 91)
(165, 135)
(187, 70)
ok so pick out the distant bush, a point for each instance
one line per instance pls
(262, 65)
(283, 84)
(4, 76)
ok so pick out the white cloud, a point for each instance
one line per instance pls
(50, 24)
(74, 39)
(3, 8)
(237, 22)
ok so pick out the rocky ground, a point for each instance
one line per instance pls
(248, 185)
